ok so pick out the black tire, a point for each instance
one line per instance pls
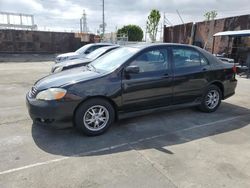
(92, 105)
(204, 107)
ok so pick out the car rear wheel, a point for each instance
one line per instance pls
(211, 99)
(94, 116)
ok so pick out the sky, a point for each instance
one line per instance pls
(64, 15)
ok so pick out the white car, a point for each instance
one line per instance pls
(223, 58)
(81, 52)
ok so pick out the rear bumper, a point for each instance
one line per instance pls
(229, 88)
(50, 111)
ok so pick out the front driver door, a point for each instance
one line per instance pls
(152, 86)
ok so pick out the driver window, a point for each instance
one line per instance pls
(154, 60)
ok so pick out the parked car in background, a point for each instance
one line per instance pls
(69, 64)
(81, 52)
(223, 58)
(239, 67)
(132, 81)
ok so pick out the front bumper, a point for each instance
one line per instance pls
(50, 111)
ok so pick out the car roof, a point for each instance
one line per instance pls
(211, 58)
(103, 43)
(146, 45)
(110, 47)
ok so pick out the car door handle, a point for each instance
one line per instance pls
(166, 75)
(204, 69)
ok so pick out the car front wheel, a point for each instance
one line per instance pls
(94, 116)
(211, 99)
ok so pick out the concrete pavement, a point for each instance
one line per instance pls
(181, 148)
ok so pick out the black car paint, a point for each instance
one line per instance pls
(130, 93)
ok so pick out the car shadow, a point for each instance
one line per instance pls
(157, 131)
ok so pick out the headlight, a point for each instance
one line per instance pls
(58, 69)
(51, 94)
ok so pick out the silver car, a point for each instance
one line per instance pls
(69, 64)
(81, 52)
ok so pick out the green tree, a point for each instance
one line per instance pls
(134, 32)
(211, 15)
(152, 24)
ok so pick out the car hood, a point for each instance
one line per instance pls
(70, 54)
(73, 62)
(65, 78)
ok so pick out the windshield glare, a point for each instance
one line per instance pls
(114, 59)
(83, 49)
(95, 54)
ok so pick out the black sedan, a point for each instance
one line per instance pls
(131, 81)
(65, 65)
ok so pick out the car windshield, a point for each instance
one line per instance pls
(83, 49)
(114, 59)
(95, 54)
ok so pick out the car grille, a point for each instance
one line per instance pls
(33, 92)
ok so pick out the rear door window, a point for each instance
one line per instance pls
(187, 58)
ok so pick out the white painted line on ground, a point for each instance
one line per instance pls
(11, 122)
(62, 158)
(11, 107)
(211, 123)
(114, 146)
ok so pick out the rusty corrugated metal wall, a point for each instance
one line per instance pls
(178, 33)
(204, 31)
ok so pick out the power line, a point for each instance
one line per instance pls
(180, 16)
(165, 20)
(233, 10)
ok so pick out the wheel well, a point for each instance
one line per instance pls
(99, 97)
(219, 85)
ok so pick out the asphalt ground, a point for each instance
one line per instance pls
(180, 148)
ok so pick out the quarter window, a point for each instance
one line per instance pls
(204, 61)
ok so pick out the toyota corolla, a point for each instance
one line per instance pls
(132, 81)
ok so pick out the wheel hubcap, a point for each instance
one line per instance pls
(212, 99)
(96, 118)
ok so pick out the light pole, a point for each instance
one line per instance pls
(103, 19)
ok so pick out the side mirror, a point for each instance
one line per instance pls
(87, 52)
(132, 69)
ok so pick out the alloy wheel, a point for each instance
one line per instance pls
(212, 99)
(96, 118)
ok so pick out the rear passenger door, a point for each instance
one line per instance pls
(190, 74)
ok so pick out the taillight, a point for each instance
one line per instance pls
(234, 69)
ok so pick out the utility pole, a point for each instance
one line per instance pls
(103, 19)
(83, 23)
(161, 31)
